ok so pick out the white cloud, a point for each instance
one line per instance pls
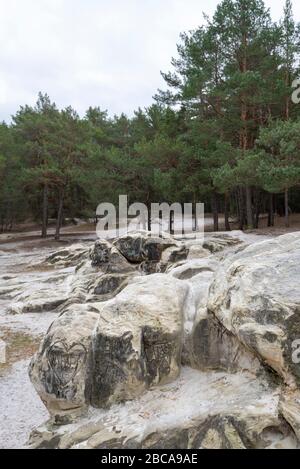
(92, 52)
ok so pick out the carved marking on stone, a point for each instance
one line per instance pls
(159, 357)
(113, 371)
(66, 360)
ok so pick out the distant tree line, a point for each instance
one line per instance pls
(225, 132)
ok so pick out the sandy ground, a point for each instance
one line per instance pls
(83, 231)
(20, 408)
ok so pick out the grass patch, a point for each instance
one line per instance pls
(19, 346)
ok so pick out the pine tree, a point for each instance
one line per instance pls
(280, 161)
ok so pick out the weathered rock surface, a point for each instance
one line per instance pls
(37, 293)
(228, 313)
(217, 243)
(186, 270)
(256, 297)
(173, 254)
(207, 344)
(290, 409)
(59, 289)
(109, 285)
(60, 369)
(197, 276)
(103, 353)
(140, 246)
(152, 267)
(138, 340)
(101, 276)
(109, 259)
(42, 285)
(198, 410)
(69, 256)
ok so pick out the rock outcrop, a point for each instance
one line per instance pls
(104, 353)
(69, 256)
(60, 371)
(109, 259)
(142, 246)
(209, 410)
(255, 296)
(290, 409)
(213, 334)
(138, 340)
(217, 243)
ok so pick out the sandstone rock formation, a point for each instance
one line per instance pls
(138, 340)
(209, 410)
(290, 409)
(256, 296)
(60, 371)
(69, 256)
(142, 245)
(217, 243)
(105, 353)
(212, 335)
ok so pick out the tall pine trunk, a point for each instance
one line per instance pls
(59, 214)
(214, 206)
(271, 210)
(226, 212)
(258, 207)
(171, 223)
(286, 208)
(194, 215)
(149, 215)
(240, 207)
(45, 211)
(249, 211)
(244, 138)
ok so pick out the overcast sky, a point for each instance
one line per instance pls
(106, 53)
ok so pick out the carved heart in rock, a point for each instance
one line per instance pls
(66, 360)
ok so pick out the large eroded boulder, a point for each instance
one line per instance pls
(103, 353)
(138, 340)
(255, 296)
(60, 369)
(108, 258)
(208, 410)
(207, 344)
(142, 246)
(116, 352)
(69, 256)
